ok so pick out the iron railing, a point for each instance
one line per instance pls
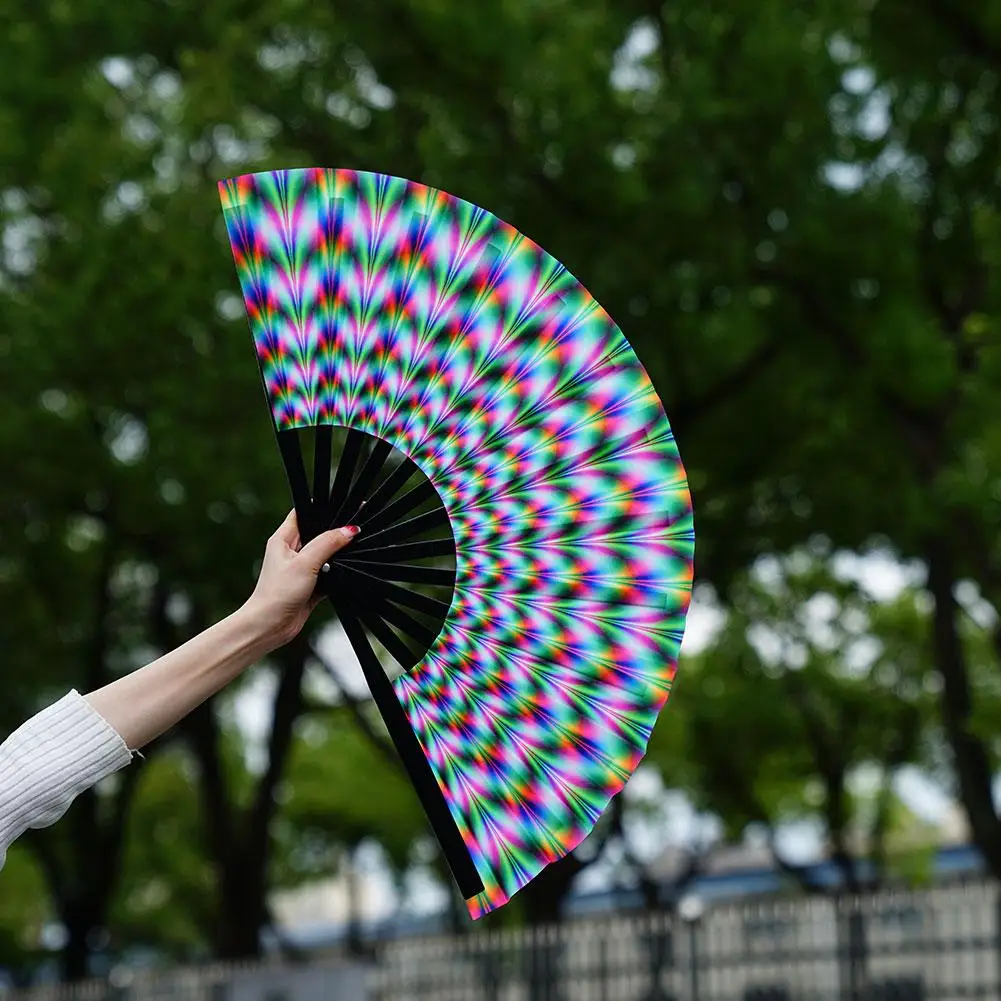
(940, 944)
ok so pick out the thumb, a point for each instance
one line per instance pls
(317, 552)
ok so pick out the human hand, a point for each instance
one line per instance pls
(286, 587)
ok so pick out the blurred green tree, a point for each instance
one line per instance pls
(24, 915)
(792, 213)
(327, 808)
(810, 684)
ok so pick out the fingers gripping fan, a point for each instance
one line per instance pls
(527, 540)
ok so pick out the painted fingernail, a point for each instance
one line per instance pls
(352, 530)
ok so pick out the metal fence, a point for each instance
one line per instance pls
(942, 944)
(938, 945)
(324, 980)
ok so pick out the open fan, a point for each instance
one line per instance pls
(527, 539)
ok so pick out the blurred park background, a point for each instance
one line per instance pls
(794, 213)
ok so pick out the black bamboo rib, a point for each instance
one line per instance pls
(322, 444)
(383, 632)
(340, 582)
(345, 474)
(375, 521)
(364, 599)
(295, 470)
(370, 471)
(404, 573)
(413, 757)
(401, 595)
(404, 530)
(406, 623)
(375, 601)
(389, 487)
(410, 551)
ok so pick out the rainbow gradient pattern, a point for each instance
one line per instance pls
(388, 306)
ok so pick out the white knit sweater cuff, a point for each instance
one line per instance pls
(49, 760)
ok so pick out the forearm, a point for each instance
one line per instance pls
(149, 701)
(78, 741)
(74, 743)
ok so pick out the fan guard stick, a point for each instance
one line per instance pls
(369, 606)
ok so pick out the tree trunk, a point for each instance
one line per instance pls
(837, 823)
(80, 921)
(239, 841)
(242, 913)
(81, 860)
(74, 959)
(543, 898)
(970, 754)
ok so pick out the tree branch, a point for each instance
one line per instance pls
(470, 79)
(975, 38)
(724, 390)
(354, 707)
(200, 731)
(287, 707)
(832, 767)
(914, 424)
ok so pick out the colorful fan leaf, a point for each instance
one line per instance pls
(457, 352)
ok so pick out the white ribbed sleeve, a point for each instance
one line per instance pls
(49, 760)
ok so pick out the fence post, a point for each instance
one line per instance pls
(693, 957)
(997, 931)
(490, 963)
(691, 909)
(659, 942)
(852, 947)
(603, 970)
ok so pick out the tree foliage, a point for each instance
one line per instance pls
(810, 683)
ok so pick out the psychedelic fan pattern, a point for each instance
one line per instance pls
(384, 305)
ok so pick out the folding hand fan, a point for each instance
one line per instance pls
(527, 539)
